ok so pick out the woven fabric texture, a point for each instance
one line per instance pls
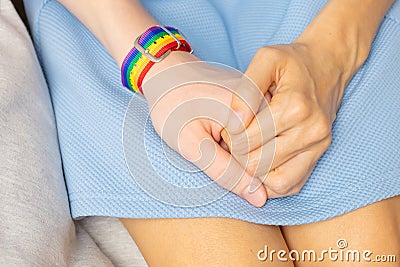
(361, 166)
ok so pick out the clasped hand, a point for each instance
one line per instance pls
(304, 88)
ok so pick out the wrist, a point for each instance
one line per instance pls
(344, 48)
(329, 73)
(346, 29)
(175, 58)
(150, 48)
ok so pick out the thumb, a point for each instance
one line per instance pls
(245, 102)
(250, 93)
(225, 170)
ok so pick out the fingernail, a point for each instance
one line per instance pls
(257, 197)
(254, 185)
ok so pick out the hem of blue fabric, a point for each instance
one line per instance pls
(296, 217)
(102, 203)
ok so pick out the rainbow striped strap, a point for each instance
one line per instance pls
(151, 47)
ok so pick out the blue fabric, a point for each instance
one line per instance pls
(361, 166)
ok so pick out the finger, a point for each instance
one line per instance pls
(251, 92)
(287, 111)
(228, 173)
(246, 101)
(280, 150)
(290, 177)
(290, 145)
(224, 145)
(288, 106)
(264, 116)
(258, 162)
(283, 110)
(260, 131)
(270, 122)
(264, 128)
(225, 137)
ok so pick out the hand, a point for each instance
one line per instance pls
(176, 116)
(306, 86)
(306, 80)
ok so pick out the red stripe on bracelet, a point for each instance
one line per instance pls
(171, 46)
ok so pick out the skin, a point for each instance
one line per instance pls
(227, 242)
(288, 75)
(109, 21)
(203, 242)
(305, 82)
(375, 227)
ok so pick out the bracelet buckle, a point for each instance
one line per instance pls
(146, 52)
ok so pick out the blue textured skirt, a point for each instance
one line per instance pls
(362, 165)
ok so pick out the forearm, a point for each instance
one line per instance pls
(347, 28)
(116, 24)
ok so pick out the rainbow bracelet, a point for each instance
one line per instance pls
(151, 47)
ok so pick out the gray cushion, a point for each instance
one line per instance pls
(36, 228)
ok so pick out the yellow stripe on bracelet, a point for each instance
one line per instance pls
(143, 61)
(151, 47)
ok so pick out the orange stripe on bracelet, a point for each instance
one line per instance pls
(150, 47)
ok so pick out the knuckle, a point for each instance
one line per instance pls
(328, 141)
(296, 190)
(272, 52)
(280, 186)
(322, 127)
(319, 129)
(262, 52)
(300, 108)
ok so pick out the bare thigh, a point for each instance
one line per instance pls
(375, 227)
(203, 241)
